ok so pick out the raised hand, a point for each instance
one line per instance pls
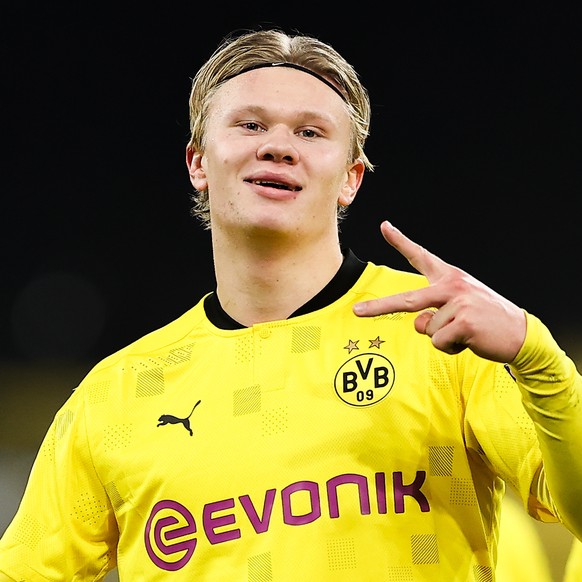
(456, 310)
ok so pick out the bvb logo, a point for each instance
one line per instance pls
(364, 379)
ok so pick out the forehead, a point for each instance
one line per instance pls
(281, 86)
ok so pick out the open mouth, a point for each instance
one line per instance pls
(277, 185)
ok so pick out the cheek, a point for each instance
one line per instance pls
(333, 183)
(213, 163)
(224, 155)
(331, 165)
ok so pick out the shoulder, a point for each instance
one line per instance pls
(164, 346)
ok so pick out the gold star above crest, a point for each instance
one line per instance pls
(352, 346)
(375, 343)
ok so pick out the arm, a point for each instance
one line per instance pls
(457, 312)
(551, 391)
(65, 521)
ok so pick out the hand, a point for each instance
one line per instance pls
(456, 310)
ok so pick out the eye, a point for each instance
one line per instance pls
(251, 125)
(308, 133)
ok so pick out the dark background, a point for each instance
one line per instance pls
(475, 136)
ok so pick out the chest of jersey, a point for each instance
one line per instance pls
(304, 424)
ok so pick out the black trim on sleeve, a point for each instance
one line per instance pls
(349, 272)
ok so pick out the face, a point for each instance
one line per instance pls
(276, 155)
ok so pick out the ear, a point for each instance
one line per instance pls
(355, 175)
(196, 171)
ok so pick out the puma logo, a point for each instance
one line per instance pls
(171, 419)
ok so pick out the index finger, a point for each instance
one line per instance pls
(412, 301)
(421, 259)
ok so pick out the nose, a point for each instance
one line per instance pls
(277, 146)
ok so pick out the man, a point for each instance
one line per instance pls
(315, 417)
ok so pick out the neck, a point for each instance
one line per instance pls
(265, 282)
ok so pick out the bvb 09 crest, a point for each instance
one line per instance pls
(364, 379)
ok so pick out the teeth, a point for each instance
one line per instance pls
(279, 185)
(272, 184)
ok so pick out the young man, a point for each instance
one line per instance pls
(315, 417)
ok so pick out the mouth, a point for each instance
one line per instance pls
(277, 185)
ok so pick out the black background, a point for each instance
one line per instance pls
(475, 137)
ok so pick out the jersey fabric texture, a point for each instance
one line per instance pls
(322, 447)
(573, 571)
(521, 555)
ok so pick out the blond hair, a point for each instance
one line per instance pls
(250, 49)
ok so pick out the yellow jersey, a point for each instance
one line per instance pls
(321, 447)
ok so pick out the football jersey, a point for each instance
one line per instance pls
(321, 447)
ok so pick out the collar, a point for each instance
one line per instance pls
(348, 273)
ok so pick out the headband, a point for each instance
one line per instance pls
(291, 66)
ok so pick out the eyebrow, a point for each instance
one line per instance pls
(261, 110)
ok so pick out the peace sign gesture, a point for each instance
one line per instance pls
(456, 310)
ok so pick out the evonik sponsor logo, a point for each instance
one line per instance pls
(172, 532)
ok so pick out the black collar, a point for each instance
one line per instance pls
(348, 273)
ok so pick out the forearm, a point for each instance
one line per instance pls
(551, 390)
